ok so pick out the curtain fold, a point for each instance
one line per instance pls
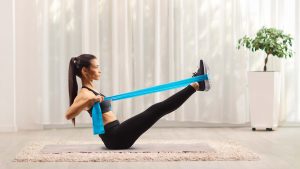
(141, 43)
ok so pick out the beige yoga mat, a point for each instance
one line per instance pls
(144, 150)
(141, 148)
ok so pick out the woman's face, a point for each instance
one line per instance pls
(93, 73)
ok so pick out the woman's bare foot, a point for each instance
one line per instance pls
(195, 85)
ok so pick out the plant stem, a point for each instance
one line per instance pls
(266, 61)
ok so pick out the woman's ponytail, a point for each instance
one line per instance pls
(73, 86)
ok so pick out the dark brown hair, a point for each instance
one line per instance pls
(75, 66)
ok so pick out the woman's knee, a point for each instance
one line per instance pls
(162, 107)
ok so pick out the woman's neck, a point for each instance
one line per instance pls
(87, 83)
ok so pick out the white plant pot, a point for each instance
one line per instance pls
(264, 99)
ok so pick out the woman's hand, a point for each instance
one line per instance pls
(97, 98)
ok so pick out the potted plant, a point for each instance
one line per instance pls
(264, 86)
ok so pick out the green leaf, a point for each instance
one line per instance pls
(271, 41)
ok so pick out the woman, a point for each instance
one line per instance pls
(120, 135)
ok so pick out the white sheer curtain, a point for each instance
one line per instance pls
(141, 43)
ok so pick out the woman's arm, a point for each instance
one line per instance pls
(78, 105)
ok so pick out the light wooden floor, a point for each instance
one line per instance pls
(278, 149)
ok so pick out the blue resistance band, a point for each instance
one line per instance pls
(98, 126)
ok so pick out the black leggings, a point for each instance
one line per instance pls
(123, 136)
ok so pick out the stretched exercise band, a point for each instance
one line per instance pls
(98, 126)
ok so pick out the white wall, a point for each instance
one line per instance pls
(7, 113)
(20, 67)
(28, 67)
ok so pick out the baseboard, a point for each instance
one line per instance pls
(62, 126)
(194, 124)
(8, 129)
(289, 124)
(21, 128)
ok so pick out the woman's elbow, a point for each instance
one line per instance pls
(68, 116)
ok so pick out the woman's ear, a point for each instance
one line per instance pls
(84, 72)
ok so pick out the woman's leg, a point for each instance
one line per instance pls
(131, 129)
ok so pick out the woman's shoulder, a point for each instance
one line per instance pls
(82, 97)
(85, 94)
(85, 91)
